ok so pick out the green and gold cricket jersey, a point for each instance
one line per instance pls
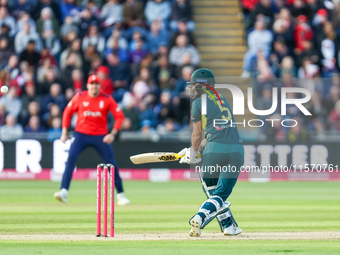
(222, 138)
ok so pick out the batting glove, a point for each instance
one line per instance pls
(187, 159)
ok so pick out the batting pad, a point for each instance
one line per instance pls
(211, 208)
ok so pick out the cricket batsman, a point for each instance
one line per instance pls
(222, 147)
(92, 108)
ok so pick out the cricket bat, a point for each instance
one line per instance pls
(155, 157)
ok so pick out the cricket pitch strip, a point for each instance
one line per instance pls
(327, 235)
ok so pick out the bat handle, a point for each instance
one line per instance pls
(178, 156)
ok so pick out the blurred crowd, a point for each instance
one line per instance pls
(324, 120)
(144, 52)
(295, 38)
(290, 39)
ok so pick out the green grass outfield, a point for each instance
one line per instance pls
(28, 208)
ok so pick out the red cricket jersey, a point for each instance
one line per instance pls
(92, 113)
(106, 86)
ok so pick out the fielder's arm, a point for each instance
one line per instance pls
(64, 136)
(118, 116)
(70, 109)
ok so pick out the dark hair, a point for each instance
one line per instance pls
(5, 26)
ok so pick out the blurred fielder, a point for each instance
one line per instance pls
(92, 108)
(222, 147)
